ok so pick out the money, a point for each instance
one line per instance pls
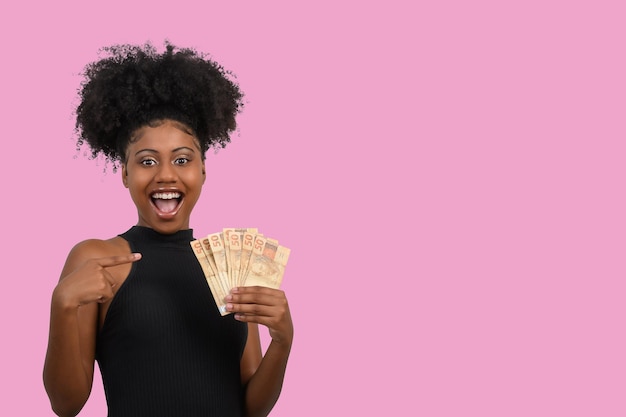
(217, 290)
(233, 239)
(267, 264)
(238, 257)
(247, 241)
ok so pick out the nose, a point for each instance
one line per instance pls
(166, 174)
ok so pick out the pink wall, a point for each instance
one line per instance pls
(449, 177)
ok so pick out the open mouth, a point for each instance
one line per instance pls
(167, 202)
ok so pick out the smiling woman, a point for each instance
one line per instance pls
(138, 303)
(164, 172)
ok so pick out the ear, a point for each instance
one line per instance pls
(124, 176)
(203, 173)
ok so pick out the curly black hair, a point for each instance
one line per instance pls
(134, 86)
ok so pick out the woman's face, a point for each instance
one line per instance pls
(164, 172)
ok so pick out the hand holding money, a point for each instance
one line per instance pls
(239, 257)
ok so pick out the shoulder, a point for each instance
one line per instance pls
(94, 249)
(98, 247)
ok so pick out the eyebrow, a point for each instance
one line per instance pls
(181, 148)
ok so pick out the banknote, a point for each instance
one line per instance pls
(218, 251)
(267, 264)
(217, 290)
(238, 257)
(233, 244)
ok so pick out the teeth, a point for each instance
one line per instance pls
(166, 196)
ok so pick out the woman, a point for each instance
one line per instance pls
(138, 303)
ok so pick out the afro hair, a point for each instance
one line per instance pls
(134, 86)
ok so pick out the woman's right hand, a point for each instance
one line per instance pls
(91, 282)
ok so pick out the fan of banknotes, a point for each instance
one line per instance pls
(238, 257)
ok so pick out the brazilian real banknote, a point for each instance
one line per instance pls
(239, 257)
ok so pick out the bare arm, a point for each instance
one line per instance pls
(69, 364)
(264, 382)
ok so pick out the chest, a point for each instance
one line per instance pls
(166, 284)
(164, 301)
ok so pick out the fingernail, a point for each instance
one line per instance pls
(229, 297)
(136, 255)
(229, 306)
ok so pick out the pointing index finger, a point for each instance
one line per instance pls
(118, 260)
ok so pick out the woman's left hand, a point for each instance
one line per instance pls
(266, 306)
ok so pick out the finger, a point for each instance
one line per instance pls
(255, 294)
(250, 318)
(99, 292)
(118, 260)
(107, 296)
(250, 294)
(251, 309)
(259, 300)
(277, 309)
(255, 298)
(109, 278)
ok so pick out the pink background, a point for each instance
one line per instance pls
(448, 174)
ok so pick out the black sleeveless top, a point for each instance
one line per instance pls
(164, 349)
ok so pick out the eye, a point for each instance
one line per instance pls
(148, 162)
(181, 160)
